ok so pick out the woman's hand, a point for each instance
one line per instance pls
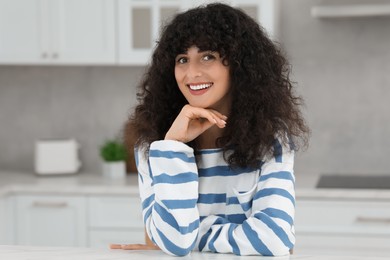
(193, 121)
(147, 246)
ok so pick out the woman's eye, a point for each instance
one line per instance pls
(208, 57)
(181, 60)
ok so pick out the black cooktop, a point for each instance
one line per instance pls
(354, 181)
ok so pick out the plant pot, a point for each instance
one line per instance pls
(114, 170)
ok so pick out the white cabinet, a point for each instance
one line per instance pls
(115, 219)
(140, 21)
(342, 227)
(7, 231)
(42, 220)
(2, 221)
(57, 32)
(138, 27)
(83, 220)
(94, 32)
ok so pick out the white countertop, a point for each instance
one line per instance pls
(76, 184)
(62, 253)
(95, 183)
(306, 189)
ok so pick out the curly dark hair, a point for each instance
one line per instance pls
(263, 103)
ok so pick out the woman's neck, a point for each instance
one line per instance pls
(207, 140)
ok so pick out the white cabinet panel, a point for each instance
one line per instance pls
(2, 221)
(139, 23)
(57, 32)
(23, 34)
(51, 220)
(343, 227)
(7, 216)
(115, 211)
(342, 244)
(103, 238)
(138, 27)
(93, 32)
(343, 216)
(83, 31)
(115, 219)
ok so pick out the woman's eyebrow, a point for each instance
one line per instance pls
(181, 53)
(209, 51)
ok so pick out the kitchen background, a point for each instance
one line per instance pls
(341, 66)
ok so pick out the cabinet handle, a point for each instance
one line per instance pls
(373, 220)
(49, 204)
(54, 55)
(44, 55)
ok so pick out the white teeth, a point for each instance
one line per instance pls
(198, 87)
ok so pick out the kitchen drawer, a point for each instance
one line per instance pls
(115, 212)
(50, 220)
(344, 216)
(335, 244)
(103, 238)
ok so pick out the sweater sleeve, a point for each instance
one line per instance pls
(269, 207)
(168, 184)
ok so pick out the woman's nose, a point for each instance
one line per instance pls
(194, 70)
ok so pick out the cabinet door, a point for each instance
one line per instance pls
(342, 227)
(101, 238)
(51, 221)
(57, 32)
(139, 23)
(2, 221)
(342, 244)
(115, 212)
(115, 219)
(265, 12)
(23, 31)
(82, 31)
(7, 232)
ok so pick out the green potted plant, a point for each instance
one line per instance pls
(114, 155)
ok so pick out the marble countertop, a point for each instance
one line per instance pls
(62, 253)
(95, 184)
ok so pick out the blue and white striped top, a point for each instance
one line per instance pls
(194, 201)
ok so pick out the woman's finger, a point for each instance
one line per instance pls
(193, 121)
(221, 116)
(214, 117)
(115, 246)
(139, 247)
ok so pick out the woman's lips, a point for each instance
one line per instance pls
(199, 88)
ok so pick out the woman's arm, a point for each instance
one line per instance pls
(168, 184)
(269, 227)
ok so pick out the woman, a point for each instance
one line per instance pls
(216, 130)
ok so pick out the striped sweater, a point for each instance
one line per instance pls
(194, 201)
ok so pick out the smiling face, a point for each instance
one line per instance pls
(203, 79)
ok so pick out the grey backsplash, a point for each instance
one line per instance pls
(341, 67)
(86, 103)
